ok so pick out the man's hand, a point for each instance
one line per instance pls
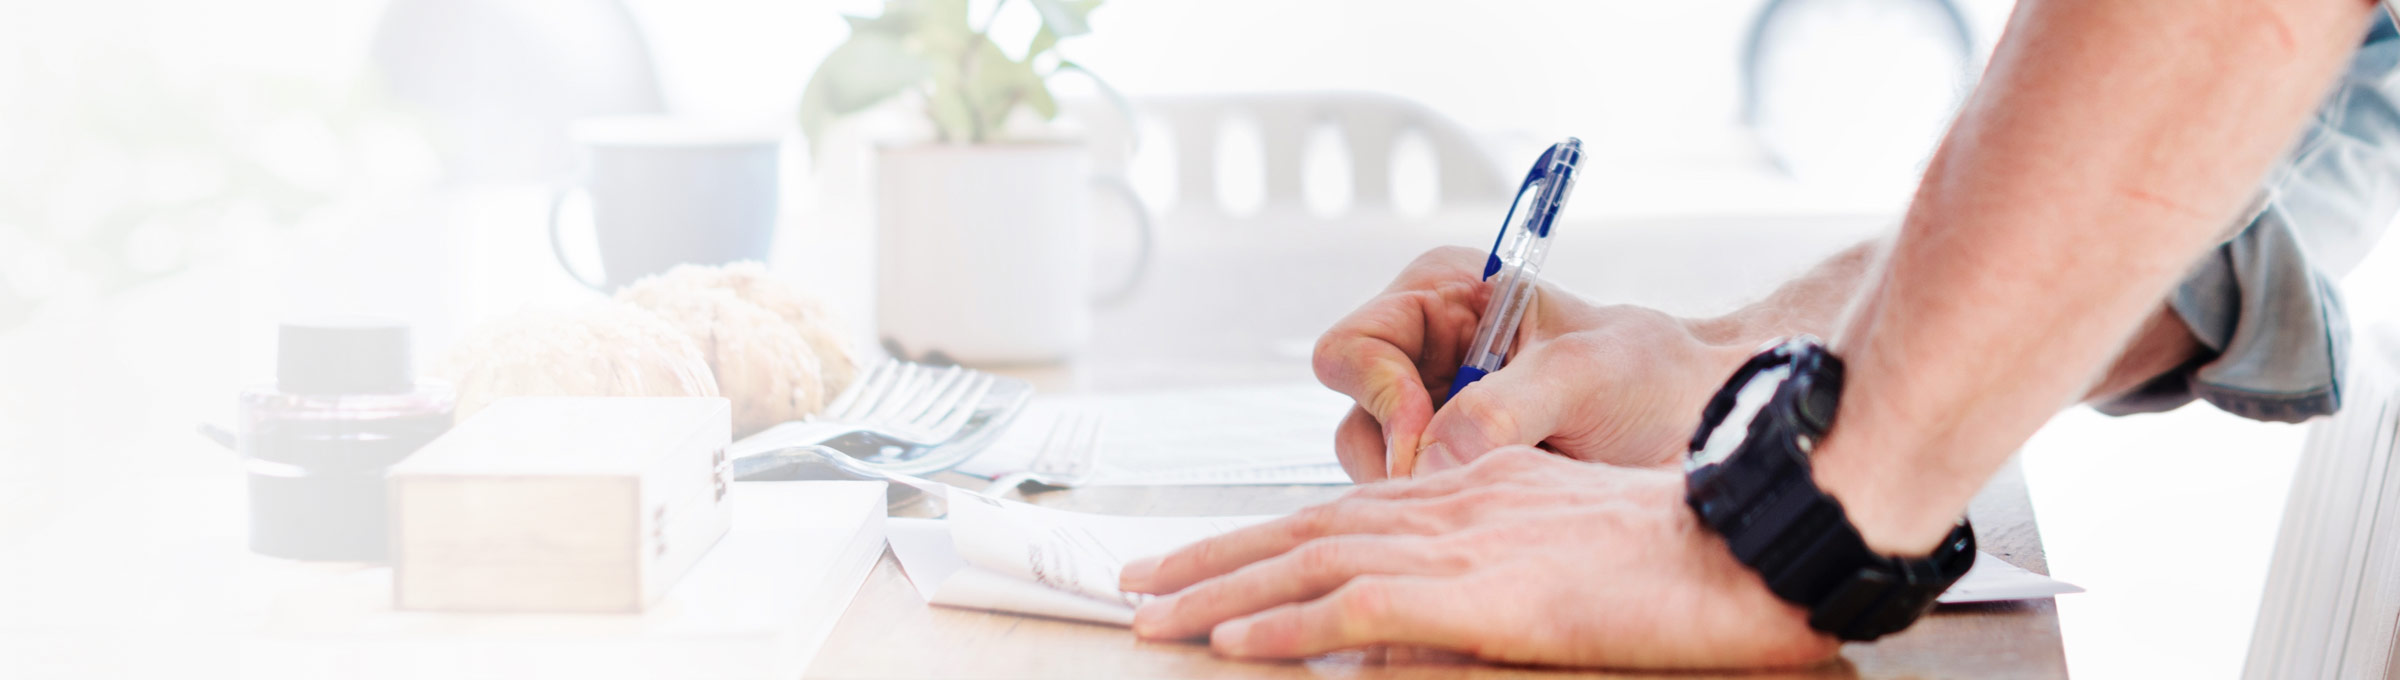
(1615, 384)
(1520, 557)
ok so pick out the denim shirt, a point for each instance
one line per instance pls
(2264, 302)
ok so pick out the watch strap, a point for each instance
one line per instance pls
(1763, 500)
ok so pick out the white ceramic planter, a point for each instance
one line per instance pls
(984, 252)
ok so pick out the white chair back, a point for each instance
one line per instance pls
(1370, 126)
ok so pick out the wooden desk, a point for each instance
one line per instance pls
(1177, 335)
(889, 632)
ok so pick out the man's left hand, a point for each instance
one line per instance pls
(1519, 557)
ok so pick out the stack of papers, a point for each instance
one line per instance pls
(1005, 556)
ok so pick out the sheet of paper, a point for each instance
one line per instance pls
(1296, 473)
(1994, 580)
(1006, 556)
(942, 577)
(1279, 434)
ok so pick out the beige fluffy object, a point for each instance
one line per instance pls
(761, 362)
(599, 349)
(805, 313)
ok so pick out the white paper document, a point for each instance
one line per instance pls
(1280, 434)
(1995, 580)
(1012, 557)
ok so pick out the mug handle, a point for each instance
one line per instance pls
(1145, 241)
(558, 202)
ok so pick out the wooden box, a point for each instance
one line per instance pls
(560, 504)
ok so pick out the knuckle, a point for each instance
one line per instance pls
(1438, 521)
(1331, 358)
(1311, 522)
(1448, 554)
(1507, 461)
(1364, 601)
(1320, 557)
(1479, 498)
(1485, 417)
(1466, 509)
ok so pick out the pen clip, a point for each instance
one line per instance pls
(1533, 178)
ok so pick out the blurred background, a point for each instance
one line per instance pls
(176, 177)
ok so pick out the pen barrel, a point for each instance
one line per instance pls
(1467, 375)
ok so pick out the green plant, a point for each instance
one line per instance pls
(969, 84)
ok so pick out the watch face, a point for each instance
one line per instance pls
(1730, 432)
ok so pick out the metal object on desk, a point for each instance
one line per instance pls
(835, 465)
(901, 418)
(899, 415)
(1069, 456)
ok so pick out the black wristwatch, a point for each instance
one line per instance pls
(1748, 478)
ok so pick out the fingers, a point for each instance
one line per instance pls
(1306, 573)
(1369, 610)
(1223, 553)
(1523, 403)
(1359, 445)
(1374, 355)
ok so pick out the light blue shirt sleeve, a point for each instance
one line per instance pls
(2265, 303)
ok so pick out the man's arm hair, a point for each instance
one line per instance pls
(1813, 302)
(2103, 152)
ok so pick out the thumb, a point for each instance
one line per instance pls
(1522, 406)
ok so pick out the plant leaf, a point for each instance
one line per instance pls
(1043, 40)
(861, 72)
(996, 85)
(1038, 97)
(949, 105)
(869, 68)
(941, 30)
(891, 22)
(1064, 17)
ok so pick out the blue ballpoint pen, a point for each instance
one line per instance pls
(1516, 260)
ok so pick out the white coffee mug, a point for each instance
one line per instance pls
(984, 252)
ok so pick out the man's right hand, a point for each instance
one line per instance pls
(1620, 384)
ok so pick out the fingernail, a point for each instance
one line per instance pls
(1435, 457)
(1231, 638)
(1152, 616)
(1137, 573)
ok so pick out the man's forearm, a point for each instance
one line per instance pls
(2105, 149)
(1812, 303)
